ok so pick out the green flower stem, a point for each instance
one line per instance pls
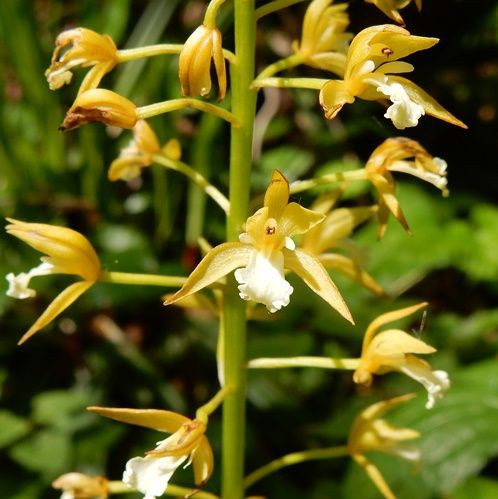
(234, 310)
(321, 362)
(331, 178)
(176, 104)
(274, 6)
(118, 487)
(207, 409)
(196, 177)
(143, 279)
(309, 83)
(211, 12)
(295, 458)
(126, 55)
(289, 62)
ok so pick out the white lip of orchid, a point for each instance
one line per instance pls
(18, 284)
(435, 382)
(263, 280)
(67, 495)
(151, 475)
(438, 179)
(403, 112)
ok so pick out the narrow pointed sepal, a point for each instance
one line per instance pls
(219, 262)
(315, 276)
(58, 305)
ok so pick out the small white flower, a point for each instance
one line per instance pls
(19, 284)
(403, 112)
(263, 280)
(151, 475)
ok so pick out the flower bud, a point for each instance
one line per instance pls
(203, 45)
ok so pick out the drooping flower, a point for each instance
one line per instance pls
(369, 433)
(393, 349)
(203, 46)
(68, 252)
(80, 486)
(400, 154)
(84, 48)
(333, 234)
(100, 105)
(139, 153)
(151, 474)
(372, 68)
(264, 251)
(391, 8)
(324, 40)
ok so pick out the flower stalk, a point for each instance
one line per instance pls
(234, 313)
(219, 198)
(294, 458)
(320, 362)
(168, 106)
(142, 279)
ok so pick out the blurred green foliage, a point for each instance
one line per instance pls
(118, 346)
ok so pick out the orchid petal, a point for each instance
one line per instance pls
(389, 317)
(297, 220)
(351, 269)
(333, 96)
(219, 63)
(154, 419)
(58, 305)
(394, 342)
(313, 273)
(277, 195)
(430, 105)
(219, 262)
(203, 462)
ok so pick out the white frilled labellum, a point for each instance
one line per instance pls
(435, 382)
(403, 112)
(263, 280)
(151, 475)
(19, 284)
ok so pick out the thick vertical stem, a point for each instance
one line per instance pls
(243, 107)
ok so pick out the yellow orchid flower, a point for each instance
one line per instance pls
(264, 250)
(187, 444)
(88, 48)
(68, 252)
(369, 433)
(392, 350)
(203, 45)
(100, 105)
(391, 8)
(333, 233)
(80, 486)
(400, 154)
(139, 152)
(372, 68)
(324, 42)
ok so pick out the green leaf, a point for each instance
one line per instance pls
(62, 409)
(12, 428)
(293, 161)
(48, 452)
(483, 488)
(458, 437)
